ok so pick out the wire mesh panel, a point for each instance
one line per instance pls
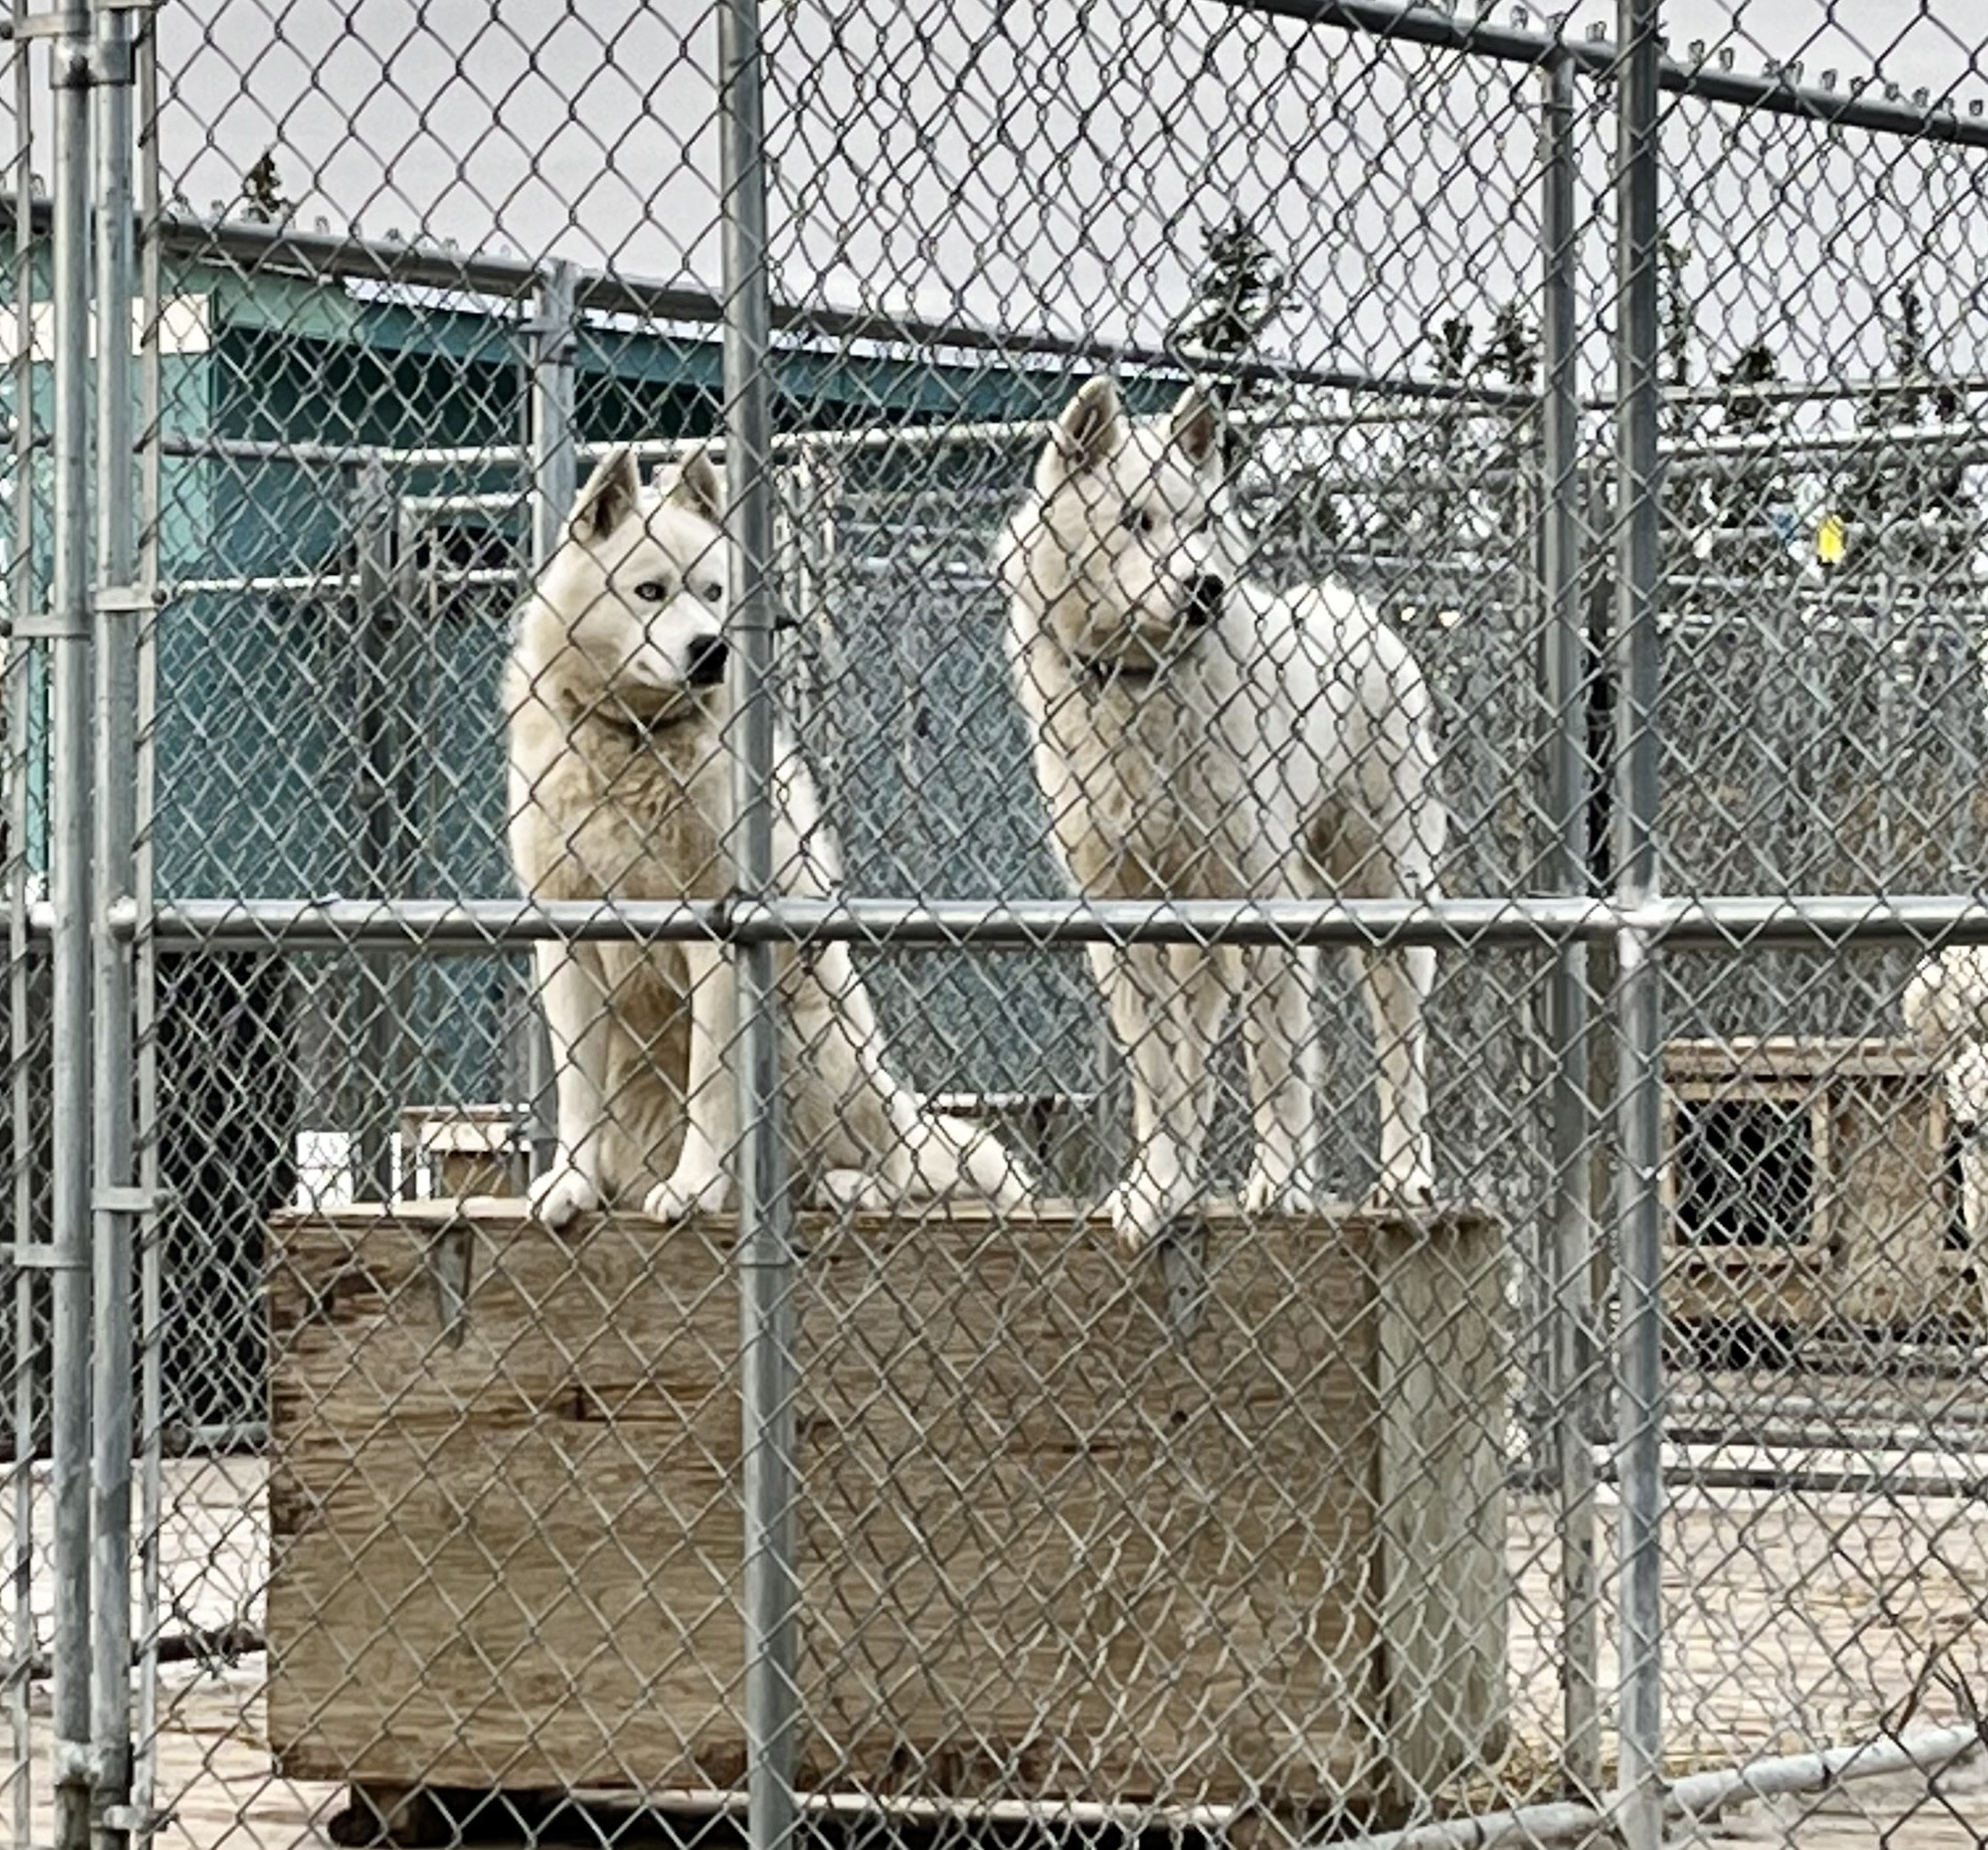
(1057, 918)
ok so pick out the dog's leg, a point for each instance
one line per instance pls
(1398, 986)
(575, 1008)
(1399, 861)
(702, 1178)
(1283, 1057)
(1167, 1006)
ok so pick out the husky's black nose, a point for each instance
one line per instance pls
(705, 660)
(1205, 600)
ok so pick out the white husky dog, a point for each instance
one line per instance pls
(1197, 737)
(620, 789)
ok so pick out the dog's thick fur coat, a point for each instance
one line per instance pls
(620, 789)
(1196, 736)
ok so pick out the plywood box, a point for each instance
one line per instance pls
(1810, 1182)
(1050, 1546)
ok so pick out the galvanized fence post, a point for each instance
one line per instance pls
(766, 1243)
(374, 1097)
(1569, 1350)
(555, 481)
(1638, 1232)
(70, 888)
(22, 681)
(113, 923)
(151, 1258)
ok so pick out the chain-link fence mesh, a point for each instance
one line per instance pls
(1091, 949)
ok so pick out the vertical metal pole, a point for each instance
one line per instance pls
(113, 1061)
(766, 1243)
(70, 884)
(555, 481)
(1639, 998)
(1570, 1353)
(22, 683)
(371, 1118)
(151, 1412)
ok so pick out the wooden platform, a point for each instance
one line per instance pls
(1795, 1621)
(1052, 1546)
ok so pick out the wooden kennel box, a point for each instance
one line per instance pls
(1053, 1547)
(1811, 1183)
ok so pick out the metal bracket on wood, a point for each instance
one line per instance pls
(1184, 1265)
(448, 1267)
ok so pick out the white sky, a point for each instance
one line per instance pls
(1054, 165)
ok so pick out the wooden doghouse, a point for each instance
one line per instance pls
(1813, 1183)
(1055, 1545)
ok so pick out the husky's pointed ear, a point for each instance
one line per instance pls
(694, 483)
(1196, 427)
(611, 495)
(1091, 427)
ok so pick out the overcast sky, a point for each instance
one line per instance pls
(1054, 165)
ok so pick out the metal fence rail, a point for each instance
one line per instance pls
(678, 1143)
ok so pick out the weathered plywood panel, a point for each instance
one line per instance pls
(1049, 1548)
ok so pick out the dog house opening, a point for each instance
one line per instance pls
(1746, 1172)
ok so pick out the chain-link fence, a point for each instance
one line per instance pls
(982, 920)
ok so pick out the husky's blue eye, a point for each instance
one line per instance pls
(712, 593)
(1135, 518)
(651, 590)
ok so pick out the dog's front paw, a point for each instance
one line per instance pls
(856, 1191)
(1141, 1211)
(1268, 1192)
(562, 1195)
(683, 1196)
(1411, 1191)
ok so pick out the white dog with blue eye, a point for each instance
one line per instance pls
(620, 788)
(1198, 737)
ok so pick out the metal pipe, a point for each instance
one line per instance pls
(267, 249)
(1638, 1797)
(477, 926)
(1773, 94)
(1568, 1357)
(144, 1778)
(70, 884)
(1695, 1795)
(113, 1062)
(765, 1250)
(1699, 1795)
(1731, 924)
(372, 1106)
(22, 681)
(555, 482)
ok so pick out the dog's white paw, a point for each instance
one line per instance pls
(1270, 1192)
(683, 1196)
(561, 1194)
(1141, 1212)
(1412, 1191)
(856, 1191)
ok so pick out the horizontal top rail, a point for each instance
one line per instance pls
(327, 255)
(1772, 92)
(1716, 921)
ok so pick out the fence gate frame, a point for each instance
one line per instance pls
(100, 924)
